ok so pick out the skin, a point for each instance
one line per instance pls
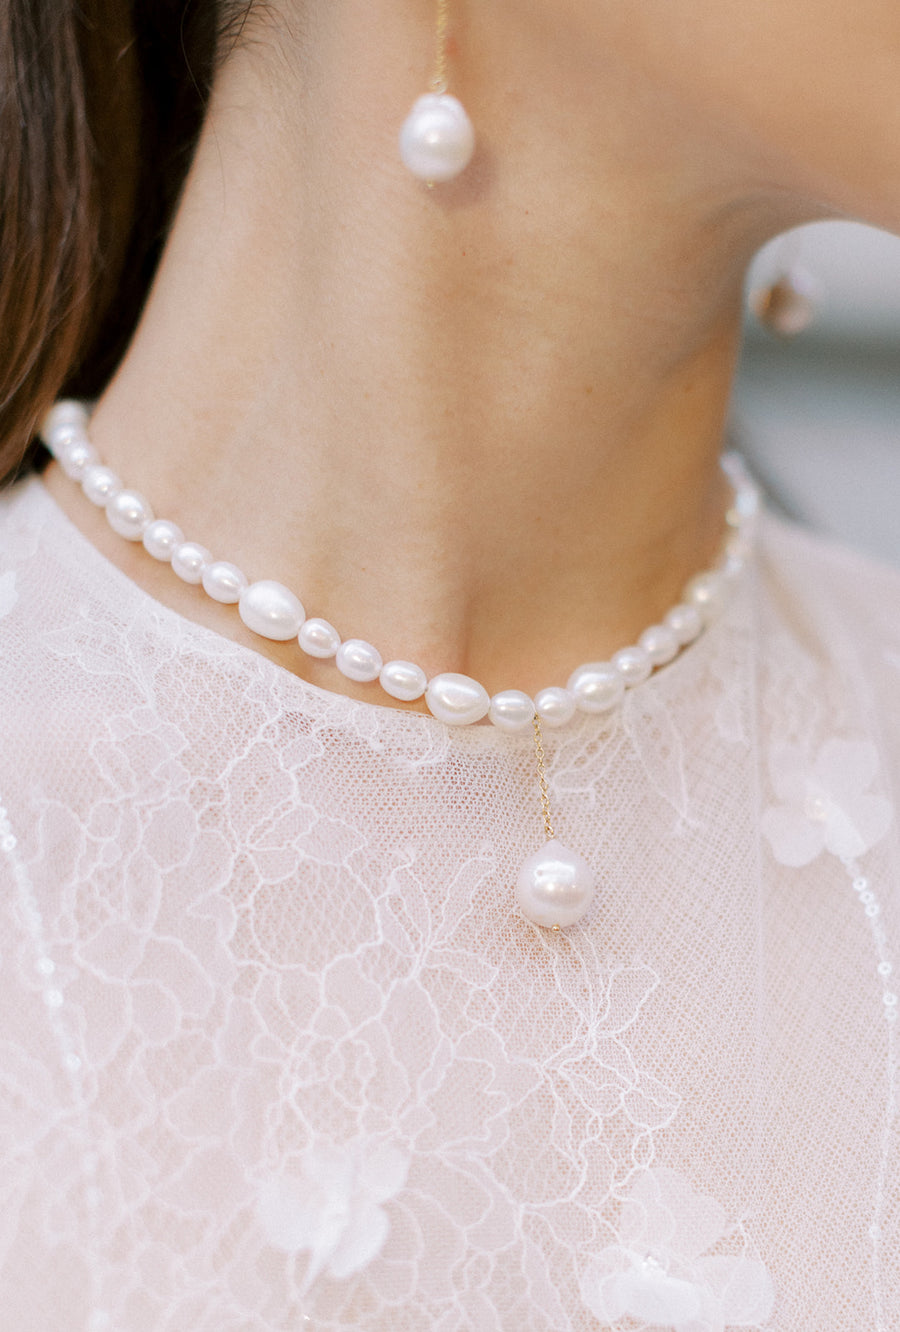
(479, 425)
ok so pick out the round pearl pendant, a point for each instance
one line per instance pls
(437, 139)
(555, 887)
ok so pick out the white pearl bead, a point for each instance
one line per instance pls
(660, 643)
(68, 412)
(76, 457)
(738, 548)
(403, 679)
(555, 886)
(128, 513)
(555, 706)
(706, 592)
(359, 660)
(685, 622)
(437, 139)
(457, 700)
(633, 664)
(62, 437)
(189, 560)
(224, 582)
(318, 638)
(746, 500)
(100, 483)
(597, 686)
(161, 539)
(512, 710)
(271, 610)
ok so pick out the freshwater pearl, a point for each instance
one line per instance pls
(161, 539)
(359, 660)
(63, 414)
(660, 643)
(555, 887)
(555, 706)
(189, 560)
(512, 710)
(403, 679)
(787, 306)
(457, 700)
(318, 638)
(633, 664)
(224, 582)
(706, 593)
(63, 436)
(128, 513)
(271, 610)
(437, 139)
(100, 483)
(597, 686)
(76, 457)
(685, 622)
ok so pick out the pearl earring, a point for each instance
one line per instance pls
(437, 139)
(786, 307)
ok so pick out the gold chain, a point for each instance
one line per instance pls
(439, 81)
(542, 774)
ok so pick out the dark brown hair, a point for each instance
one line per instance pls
(100, 105)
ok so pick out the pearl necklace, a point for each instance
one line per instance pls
(555, 886)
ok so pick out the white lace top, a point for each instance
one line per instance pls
(278, 1052)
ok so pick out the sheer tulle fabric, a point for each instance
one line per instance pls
(277, 1051)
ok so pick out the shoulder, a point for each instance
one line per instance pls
(823, 581)
(25, 509)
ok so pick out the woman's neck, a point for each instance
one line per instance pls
(477, 425)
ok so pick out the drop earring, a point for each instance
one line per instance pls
(437, 139)
(785, 304)
(786, 307)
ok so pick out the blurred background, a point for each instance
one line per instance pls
(817, 416)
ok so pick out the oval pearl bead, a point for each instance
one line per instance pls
(457, 700)
(512, 710)
(189, 560)
(597, 686)
(161, 539)
(359, 660)
(318, 638)
(100, 483)
(685, 622)
(76, 457)
(555, 886)
(633, 664)
(224, 582)
(437, 139)
(128, 513)
(65, 414)
(271, 610)
(403, 680)
(660, 644)
(707, 593)
(555, 706)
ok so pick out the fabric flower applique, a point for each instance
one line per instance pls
(658, 1275)
(825, 805)
(332, 1205)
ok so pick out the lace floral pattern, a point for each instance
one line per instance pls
(277, 1052)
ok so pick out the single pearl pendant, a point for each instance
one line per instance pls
(555, 887)
(437, 139)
